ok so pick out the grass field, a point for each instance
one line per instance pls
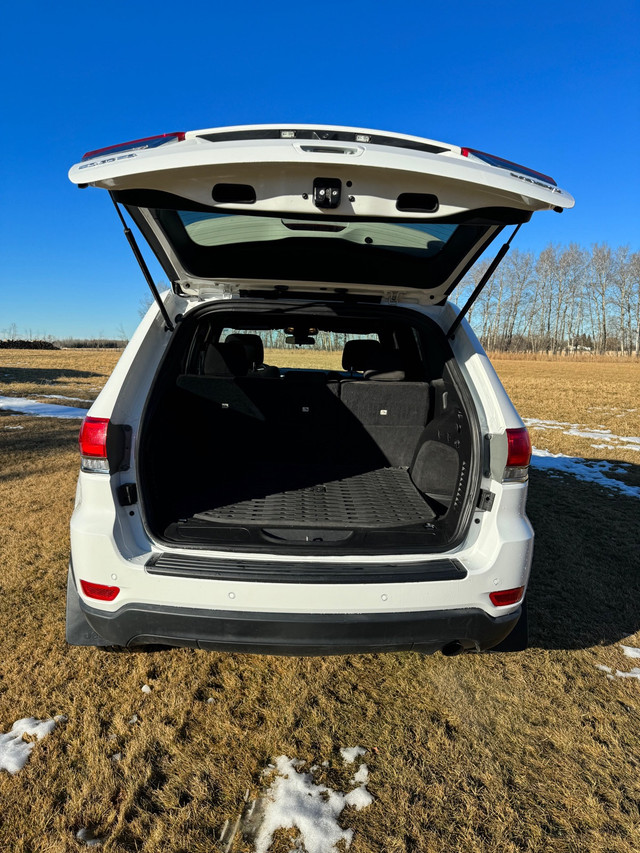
(538, 751)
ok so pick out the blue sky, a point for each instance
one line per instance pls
(553, 85)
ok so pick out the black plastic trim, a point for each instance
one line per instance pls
(233, 194)
(300, 633)
(271, 571)
(417, 202)
(323, 135)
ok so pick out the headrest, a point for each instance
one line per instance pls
(253, 347)
(227, 359)
(361, 355)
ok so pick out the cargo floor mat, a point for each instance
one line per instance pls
(385, 497)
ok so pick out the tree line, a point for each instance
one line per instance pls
(565, 299)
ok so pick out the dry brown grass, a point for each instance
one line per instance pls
(304, 359)
(590, 357)
(537, 751)
(71, 373)
(597, 394)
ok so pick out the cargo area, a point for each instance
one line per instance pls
(378, 455)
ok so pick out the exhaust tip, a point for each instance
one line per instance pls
(452, 649)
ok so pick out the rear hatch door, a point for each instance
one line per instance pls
(317, 212)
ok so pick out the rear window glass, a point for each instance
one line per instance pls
(283, 249)
(422, 239)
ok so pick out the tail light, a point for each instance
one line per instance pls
(93, 444)
(501, 163)
(135, 144)
(99, 591)
(518, 456)
(504, 597)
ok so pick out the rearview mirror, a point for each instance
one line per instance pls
(299, 341)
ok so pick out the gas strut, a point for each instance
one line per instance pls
(143, 266)
(485, 278)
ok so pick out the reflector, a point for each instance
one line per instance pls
(506, 596)
(99, 591)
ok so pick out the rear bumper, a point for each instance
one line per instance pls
(300, 634)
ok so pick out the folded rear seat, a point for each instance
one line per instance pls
(393, 411)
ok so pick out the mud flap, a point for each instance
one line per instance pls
(78, 630)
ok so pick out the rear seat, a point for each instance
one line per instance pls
(223, 367)
(392, 410)
(310, 412)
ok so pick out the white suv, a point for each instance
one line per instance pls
(364, 502)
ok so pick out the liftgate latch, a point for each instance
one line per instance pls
(326, 192)
(485, 501)
(127, 494)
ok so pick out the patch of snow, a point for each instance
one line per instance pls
(603, 668)
(294, 800)
(590, 471)
(62, 397)
(362, 776)
(88, 838)
(359, 798)
(133, 720)
(634, 673)
(618, 442)
(146, 688)
(39, 410)
(350, 753)
(14, 751)
(536, 423)
(14, 427)
(630, 651)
